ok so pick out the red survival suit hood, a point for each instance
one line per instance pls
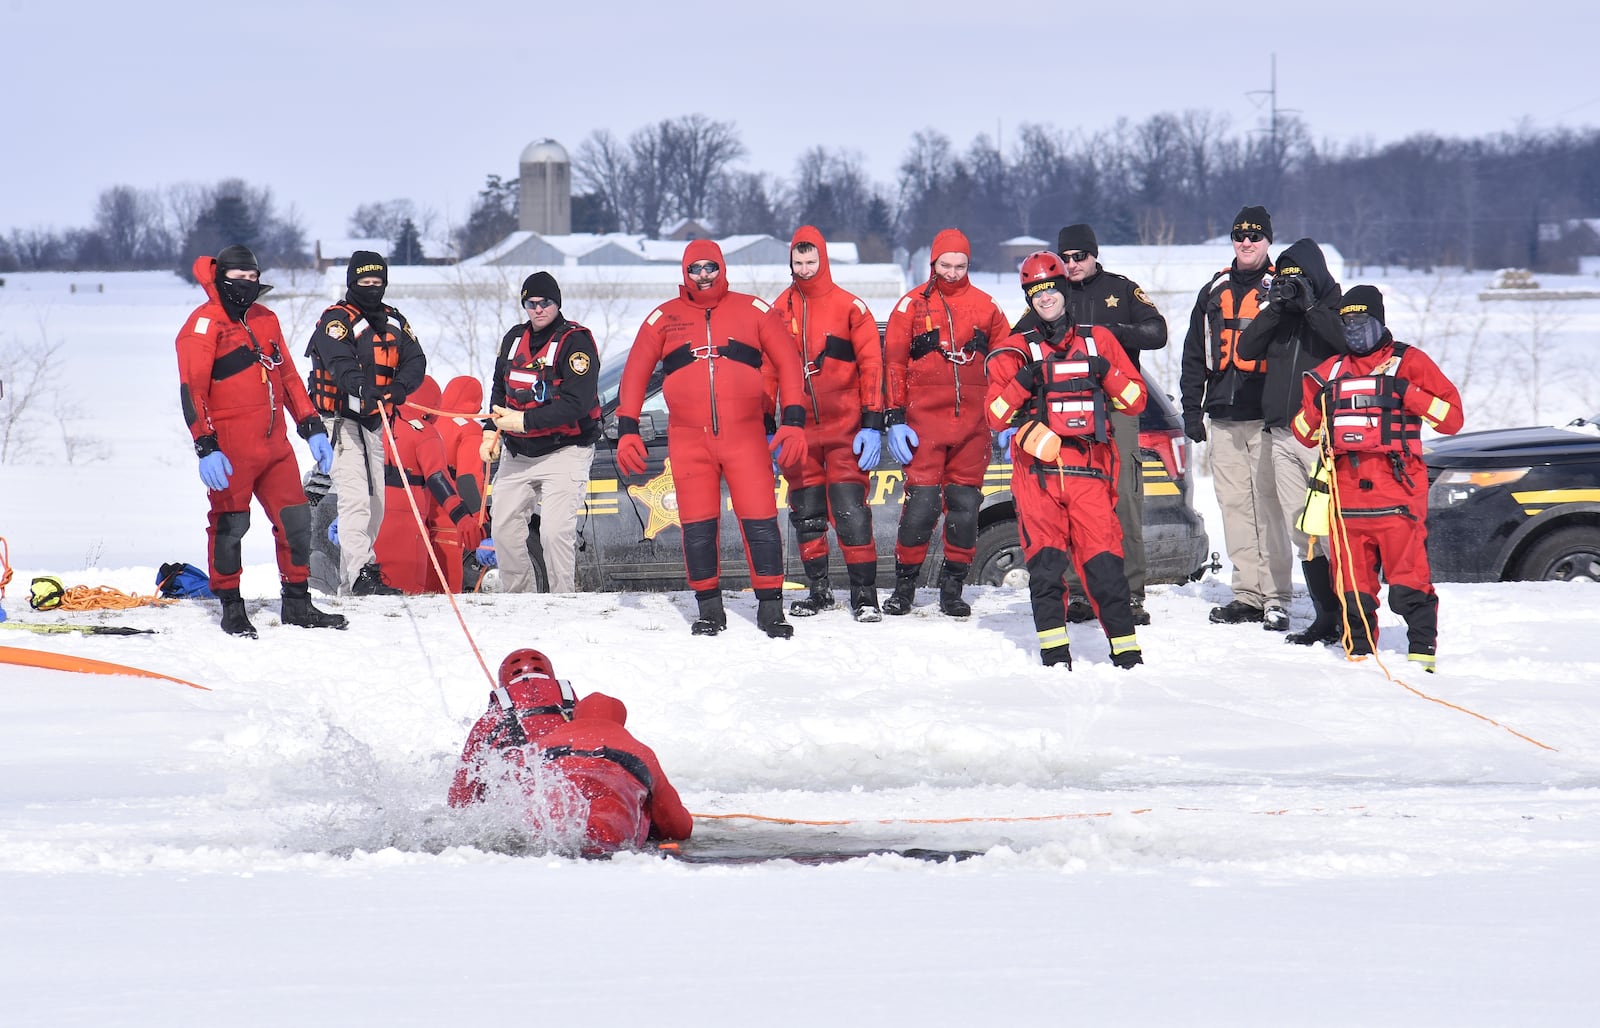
(703, 250)
(949, 240)
(822, 281)
(463, 396)
(597, 706)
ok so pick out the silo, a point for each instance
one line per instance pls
(545, 190)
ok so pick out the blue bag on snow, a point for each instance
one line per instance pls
(179, 581)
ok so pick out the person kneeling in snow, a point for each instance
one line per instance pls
(600, 771)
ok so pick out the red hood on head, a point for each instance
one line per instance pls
(427, 393)
(949, 240)
(205, 273)
(463, 395)
(703, 250)
(597, 706)
(822, 281)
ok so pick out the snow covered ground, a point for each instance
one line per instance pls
(1237, 833)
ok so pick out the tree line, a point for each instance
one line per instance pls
(1510, 199)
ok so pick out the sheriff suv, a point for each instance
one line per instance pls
(1517, 504)
(629, 535)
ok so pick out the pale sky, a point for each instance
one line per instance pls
(334, 104)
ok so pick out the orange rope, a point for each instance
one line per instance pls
(1340, 546)
(1080, 816)
(103, 597)
(478, 416)
(5, 566)
(433, 556)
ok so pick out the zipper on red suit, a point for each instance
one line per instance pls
(805, 361)
(711, 372)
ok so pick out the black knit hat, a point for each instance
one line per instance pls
(1253, 219)
(1077, 237)
(541, 284)
(363, 263)
(1363, 300)
(236, 258)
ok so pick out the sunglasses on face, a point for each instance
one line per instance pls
(704, 268)
(1248, 237)
(1077, 257)
(538, 304)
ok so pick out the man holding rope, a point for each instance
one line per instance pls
(365, 361)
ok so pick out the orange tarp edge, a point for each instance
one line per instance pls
(82, 665)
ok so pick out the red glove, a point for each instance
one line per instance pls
(471, 534)
(789, 447)
(630, 455)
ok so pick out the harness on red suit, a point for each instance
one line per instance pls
(1364, 413)
(531, 380)
(685, 355)
(510, 731)
(629, 762)
(242, 357)
(1069, 401)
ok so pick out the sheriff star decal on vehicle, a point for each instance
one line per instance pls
(660, 494)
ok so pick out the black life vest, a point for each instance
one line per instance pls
(381, 368)
(1365, 416)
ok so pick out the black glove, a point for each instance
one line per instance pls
(1098, 366)
(1194, 425)
(924, 344)
(980, 341)
(1027, 378)
(395, 394)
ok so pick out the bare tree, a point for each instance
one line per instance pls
(700, 151)
(129, 224)
(602, 166)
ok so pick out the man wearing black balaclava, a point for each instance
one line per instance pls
(1294, 331)
(365, 361)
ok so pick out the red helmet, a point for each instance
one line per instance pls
(537, 686)
(1041, 266)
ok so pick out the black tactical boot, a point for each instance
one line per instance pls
(821, 597)
(1325, 627)
(1079, 611)
(234, 619)
(1127, 658)
(769, 617)
(1056, 655)
(864, 603)
(905, 589)
(1136, 608)
(713, 618)
(298, 610)
(370, 582)
(950, 581)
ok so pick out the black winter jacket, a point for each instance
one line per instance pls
(1292, 341)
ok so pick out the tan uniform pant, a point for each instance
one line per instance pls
(357, 477)
(1291, 474)
(556, 484)
(1241, 471)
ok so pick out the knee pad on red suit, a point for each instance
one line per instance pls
(919, 513)
(295, 522)
(961, 504)
(852, 518)
(227, 541)
(700, 559)
(808, 512)
(764, 545)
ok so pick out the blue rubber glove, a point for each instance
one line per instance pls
(486, 555)
(214, 470)
(868, 446)
(902, 441)
(1005, 440)
(333, 531)
(321, 452)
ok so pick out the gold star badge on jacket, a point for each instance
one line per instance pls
(660, 496)
(1111, 301)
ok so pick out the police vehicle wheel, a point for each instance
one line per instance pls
(1566, 555)
(999, 559)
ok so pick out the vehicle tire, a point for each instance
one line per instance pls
(999, 560)
(1569, 554)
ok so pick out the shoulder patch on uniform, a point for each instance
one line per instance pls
(202, 326)
(336, 329)
(860, 306)
(1138, 294)
(407, 326)
(655, 316)
(579, 363)
(905, 302)
(759, 304)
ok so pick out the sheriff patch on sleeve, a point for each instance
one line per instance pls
(1138, 294)
(579, 363)
(336, 330)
